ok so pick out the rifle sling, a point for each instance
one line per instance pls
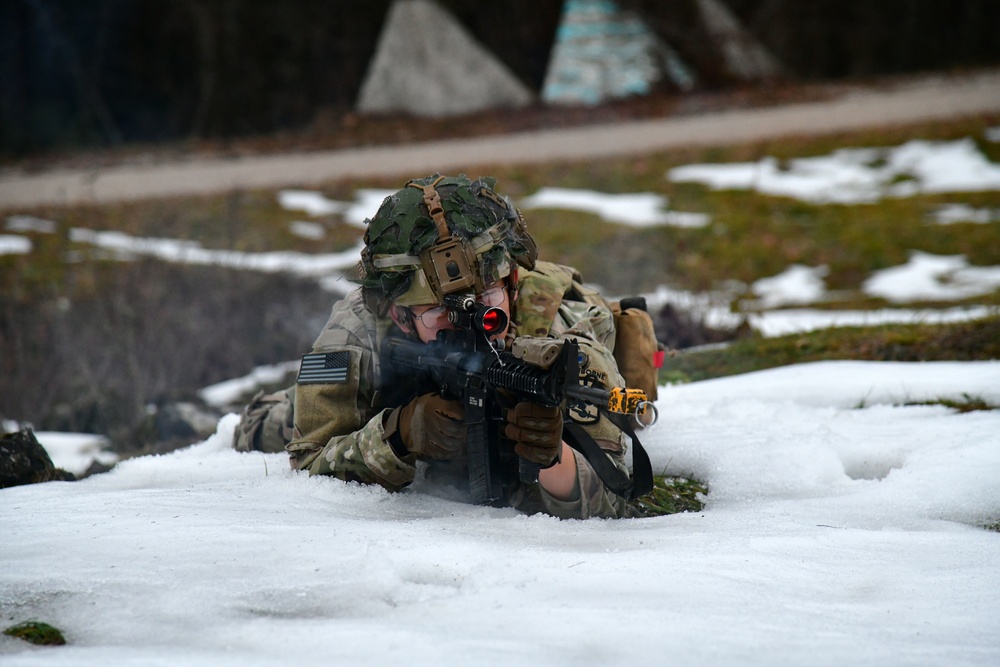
(641, 481)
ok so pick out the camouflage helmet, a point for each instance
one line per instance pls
(439, 235)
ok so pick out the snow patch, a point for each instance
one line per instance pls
(29, 223)
(232, 391)
(14, 245)
(641, 209)
(75, 452)
(309, 202)
(795, 285)
(933, 277)
(950, 214)
(307, 230)
(324, 265)
(801, 320)
(366, 202)
(856, 175)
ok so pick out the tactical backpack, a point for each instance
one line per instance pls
(638, 353)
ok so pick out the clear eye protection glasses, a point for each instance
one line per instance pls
(437, 317)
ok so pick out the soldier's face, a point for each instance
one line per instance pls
(429, 319)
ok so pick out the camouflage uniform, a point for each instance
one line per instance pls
(338, 428)
(434, 237)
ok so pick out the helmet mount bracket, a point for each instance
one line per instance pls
(449, 263)
(449, 268)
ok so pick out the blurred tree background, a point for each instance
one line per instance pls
(85, 73)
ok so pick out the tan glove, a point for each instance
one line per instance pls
(429, 426)
(537, 430)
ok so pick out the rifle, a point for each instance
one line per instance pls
(465, 366)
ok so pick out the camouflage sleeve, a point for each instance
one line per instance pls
(593, 328)
(338, 422)
(590, 497)
(581, 320)
(361, 456)
(266, 422)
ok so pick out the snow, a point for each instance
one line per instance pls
(795, 285)
(641, 209)
(74, 452)
(322, 265)
(800, 320)
(856, 175)
(950, 214)
(366, 202)
(923, 277)
(30, 223)
(309, 201)
(232, 391)
(841, 528)
(713, 308)
(14, 245)
(307, 230)
(932, 277)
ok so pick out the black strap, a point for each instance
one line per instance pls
(636, 486)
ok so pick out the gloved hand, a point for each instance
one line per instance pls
(537, 430)
(428, 426)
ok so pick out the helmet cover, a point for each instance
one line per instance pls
(435, 217)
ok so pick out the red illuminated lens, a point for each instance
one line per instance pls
(493, 320)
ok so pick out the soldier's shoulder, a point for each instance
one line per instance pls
(558, 275)
(350, 323)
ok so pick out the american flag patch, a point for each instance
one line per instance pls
(324, 368)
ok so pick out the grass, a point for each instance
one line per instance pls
(966, 404)
(751, 236)
(671, 495)
(62, 289)
(965, 341)
(36, 632)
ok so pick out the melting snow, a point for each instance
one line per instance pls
(366, 202)
(933, 277)
(795, 285)
(232, 391)
(950, 214)
(307, 230)
(857, 175)
(841, 528)
(29, 223)
(75, 452)
(190, 252)
(641, 209)
(14, 245)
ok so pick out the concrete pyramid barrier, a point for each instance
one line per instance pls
(427, 64)
(602, 52)
(744, 57)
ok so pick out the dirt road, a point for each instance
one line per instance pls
(926, 99)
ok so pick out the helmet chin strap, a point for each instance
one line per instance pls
(512, 286)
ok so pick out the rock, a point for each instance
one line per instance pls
(679, 329)
(24, 461)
